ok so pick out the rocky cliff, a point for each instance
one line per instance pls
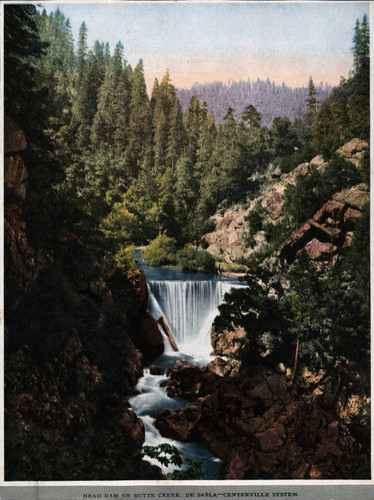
(228, 241)
(245, 406)
(76, 341)
(262, 426)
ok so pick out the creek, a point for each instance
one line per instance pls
(188, 302)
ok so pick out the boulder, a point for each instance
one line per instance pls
(220, 367)
(156, 370)
(230, 343)
(189, 382)
(147, 337)
(263, 431)
(329, 230)
(353, 150)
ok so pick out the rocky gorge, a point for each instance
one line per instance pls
(76, 341)
(249, 410)
(78, 337)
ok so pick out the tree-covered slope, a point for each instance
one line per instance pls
(269, 98)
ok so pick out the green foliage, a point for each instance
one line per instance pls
(311, 306)
(251, 116)
(232, 267)
(302, 199)
(160, 252)
(285, 140)
(131, 220)
(278, 232)
(167, 455)
(358, 267)
(254, 309)
(190, 259)
(125, 259)
(364, 167)
(311, 100)
(302, 155)
(313, 189)
(255, 220)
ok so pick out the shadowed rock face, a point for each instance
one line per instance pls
(15, 173)
(75, 345)
(228, 239)
(261, 427)
(329, 230)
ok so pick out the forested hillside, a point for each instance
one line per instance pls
(269, 98)
(134, 167)
(95, 167)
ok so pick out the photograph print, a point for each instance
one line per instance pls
(186, 241)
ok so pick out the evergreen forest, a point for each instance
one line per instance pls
(118, 168)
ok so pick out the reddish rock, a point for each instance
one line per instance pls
(140, 285)
(353, 150)
(261, 432)
(317, 250)
(14, 138)
(128, 424)
(272, 438)
(240, 464)
(328, 231)
(156, 370)
(101, 290)
(220, 367)
(273, 204)
(229, 343)
(15, 176)
(317, 161)
(70, 239)
(189, 382)
(174, 425)
(351, 215)
(332, 209)
(148, 338)
(356, 197)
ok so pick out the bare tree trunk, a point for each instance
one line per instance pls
(296, 357)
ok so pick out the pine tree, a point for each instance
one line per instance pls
(139, 120)
(176, 135)
(27, 101)
(205, 147)
(194, 118)
(311, 100)
(251, 116)
(82, 45)
(361, 45)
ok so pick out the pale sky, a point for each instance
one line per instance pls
(203, 42)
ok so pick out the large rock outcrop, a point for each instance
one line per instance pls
(76, 341)
(261, 427)
(228, 241)
(330, 229)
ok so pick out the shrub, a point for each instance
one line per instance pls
(190, 259)
(255, 218)
(232, 267)
(302, 155)
(160, 252)
(124, 258)
(168, 454)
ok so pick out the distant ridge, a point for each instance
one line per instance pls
(269, 98)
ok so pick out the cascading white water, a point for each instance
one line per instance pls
(189, 304)
(189, 308)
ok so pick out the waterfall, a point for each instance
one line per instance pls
(189, 308)
(189, 303)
